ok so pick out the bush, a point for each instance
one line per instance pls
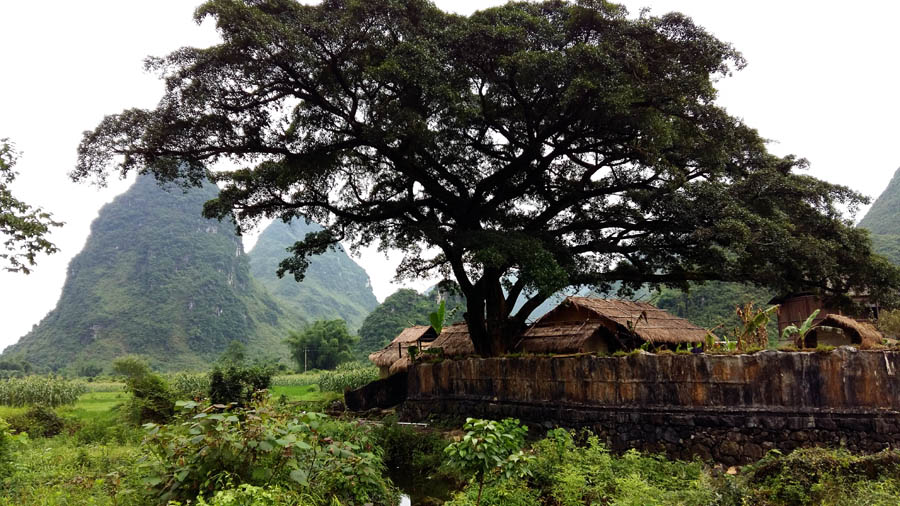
(50, 391)
(151, 399)
(238, 383)
(347, 376)
(7, 443)
(263, 446)
(814, 475)
(38, 421)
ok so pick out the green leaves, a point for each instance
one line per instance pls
(263, 446)
(437, 317)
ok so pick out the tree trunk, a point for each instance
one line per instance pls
(491, 330)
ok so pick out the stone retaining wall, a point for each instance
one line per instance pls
(728, 408)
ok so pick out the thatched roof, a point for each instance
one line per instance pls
(559, 337)
(455, 341)
(859, 332)
(648, 322)
(397, 348)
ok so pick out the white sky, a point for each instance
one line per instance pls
(821, 82)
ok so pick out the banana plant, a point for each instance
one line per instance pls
(804, 329)
(437, 318)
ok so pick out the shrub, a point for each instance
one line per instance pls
(814, 475)
(7, 443)
(151, 399)
(237, 383)
(263, 446)
(489, 450)
(50, 391)
(38, 421)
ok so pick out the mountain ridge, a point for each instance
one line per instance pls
(156, 278)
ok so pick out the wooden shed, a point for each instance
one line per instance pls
(590, 325)
(420, 336)
(794, 309)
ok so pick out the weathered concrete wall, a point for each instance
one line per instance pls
(730, 408)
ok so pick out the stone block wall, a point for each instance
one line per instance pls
(727, 408)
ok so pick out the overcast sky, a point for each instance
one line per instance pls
(821, 82)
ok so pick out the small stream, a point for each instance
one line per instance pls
(421, 491)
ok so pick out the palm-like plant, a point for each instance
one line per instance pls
(804, 329)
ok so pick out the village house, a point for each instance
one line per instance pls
(418, 336)
(591, 325)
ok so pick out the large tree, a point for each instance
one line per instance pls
(23, 228)
(533, 147)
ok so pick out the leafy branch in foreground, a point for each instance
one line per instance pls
(22, 227)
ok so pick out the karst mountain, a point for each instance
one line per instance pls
(334, 285)
(157, 279)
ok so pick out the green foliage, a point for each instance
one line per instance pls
(347, 376)
(490, 450)
(712, 305)
(38, 421)
(889, 322)
(322, 345)
(334, 285)
(7, 446)
(157, 279)
(151, 399)
(23, 229)
(248, 495)
(753, 333)
(235, 353)
(48, 390)
(238, 384)
(823, 476)
(261, 446)
(800, 332)
(436, 318)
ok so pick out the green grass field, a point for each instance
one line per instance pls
(303, 393)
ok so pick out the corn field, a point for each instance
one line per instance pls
(51, 391)
(189, 385)
(297, 380)
(347, 376)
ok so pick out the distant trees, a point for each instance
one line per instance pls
(22, 227)
(322, 345)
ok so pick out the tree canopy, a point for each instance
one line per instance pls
(322, 345)
(532, 146)
(23, 229)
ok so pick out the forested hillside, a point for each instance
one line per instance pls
(883, 221)
(157, 279)
(334, 287)
(713, 304)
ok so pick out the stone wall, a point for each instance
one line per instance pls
(728, 408)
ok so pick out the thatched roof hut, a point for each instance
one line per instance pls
(454, 341)
(585, 324)
(420, 336)
(851, 332)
